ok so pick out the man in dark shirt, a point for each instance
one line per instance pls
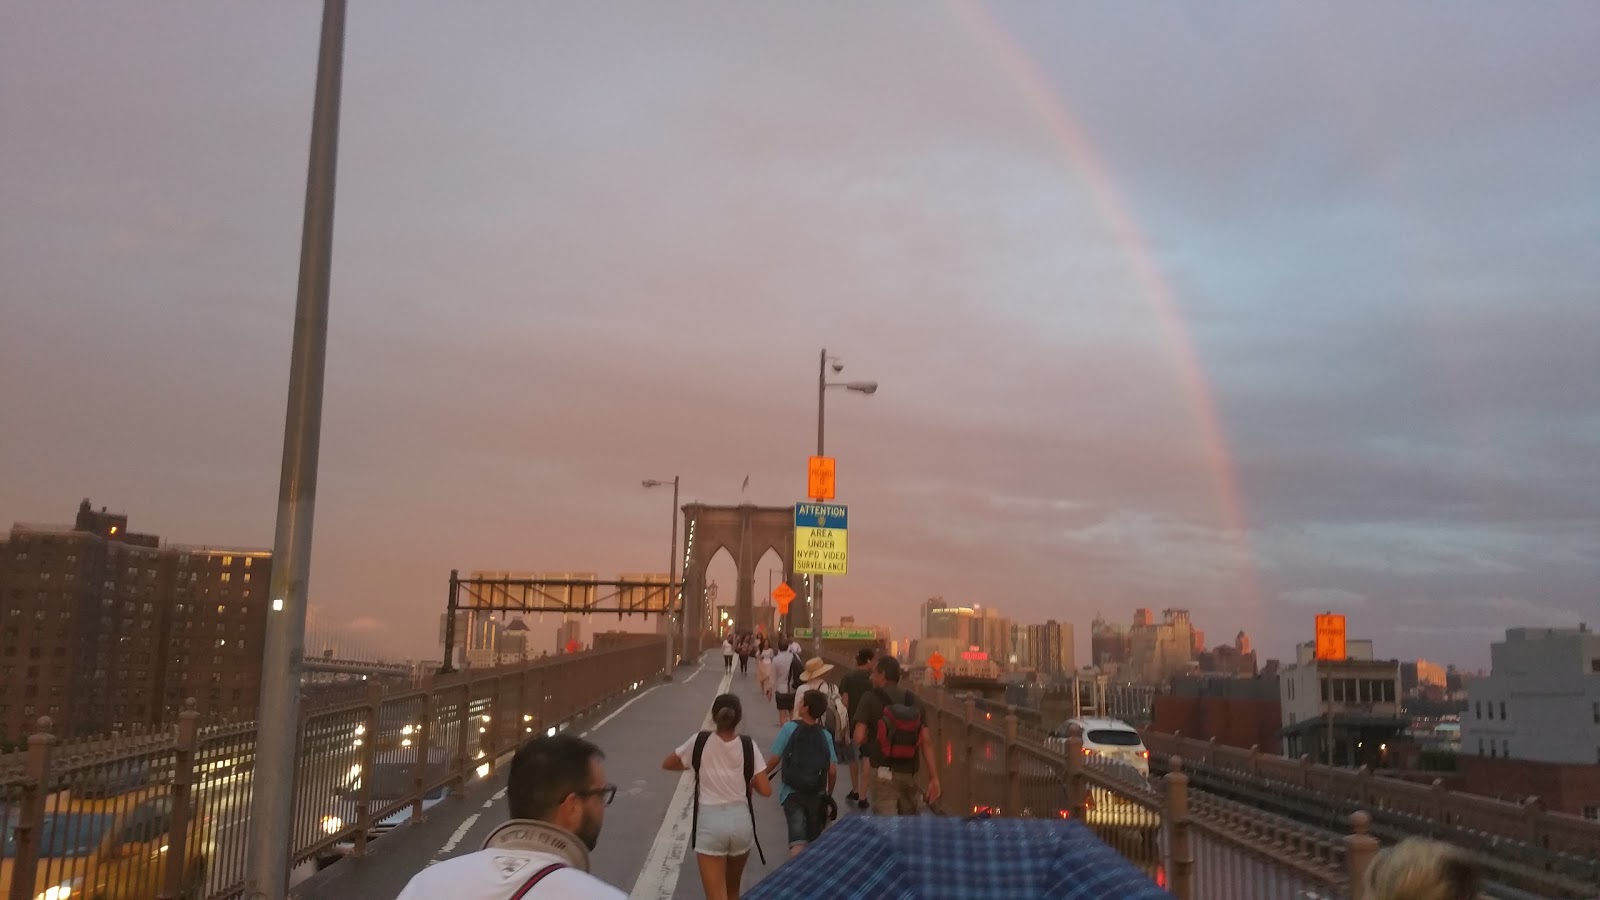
(854, 687)
(892, 783)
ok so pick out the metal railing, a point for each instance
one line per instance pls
(1196, 845)
(1523, 847)
(166, 815)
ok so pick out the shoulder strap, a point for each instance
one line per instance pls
(694, 759)
(537, 877)
(749, 796)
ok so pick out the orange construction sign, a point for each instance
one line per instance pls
(819, 478)
(936, 662)
(1330, 637)
(783, 596)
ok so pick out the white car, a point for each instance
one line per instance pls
(1114, 745)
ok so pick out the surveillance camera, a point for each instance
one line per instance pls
(838, 366)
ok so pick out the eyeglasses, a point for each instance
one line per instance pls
(609, 792)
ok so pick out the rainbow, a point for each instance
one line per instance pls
(1056, 116)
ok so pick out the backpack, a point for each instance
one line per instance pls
(836, 719)
(749, 773)
(806, 759)
(796, 669)
(899, 728)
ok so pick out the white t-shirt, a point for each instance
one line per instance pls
(727, 650)
(780, 670)
(721, 768)
(497, 873)
(805, 688)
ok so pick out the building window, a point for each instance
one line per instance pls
(247, 562)
(1505, 749)
(1491, 710)
(1291, 715)
(1589, 812)
(1492, 754)
(1502, 709)
(228, 576)
(1596, 712)
(227, 560)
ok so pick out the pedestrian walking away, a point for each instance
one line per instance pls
(727, 654)
(853, 687)
(764, 669)
(892, 725)
(803, 754)
(725, 775)
(745, 649)
(785, 672)
(557, 796)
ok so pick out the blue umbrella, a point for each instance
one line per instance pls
(944, 858)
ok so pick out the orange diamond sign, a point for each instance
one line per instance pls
(783, 594)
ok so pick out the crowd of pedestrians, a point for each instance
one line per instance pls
(557, 791)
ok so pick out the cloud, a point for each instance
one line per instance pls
(1332, 599)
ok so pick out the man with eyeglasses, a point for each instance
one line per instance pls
(557, 794)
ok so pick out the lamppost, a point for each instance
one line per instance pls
(267, 844)
(814, 601)
(672, 563)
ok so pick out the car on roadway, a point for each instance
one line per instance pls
(1114, 747)
(113, 847)
(393, 777)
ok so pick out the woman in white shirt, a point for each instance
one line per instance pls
(724, 818)
(764, 668)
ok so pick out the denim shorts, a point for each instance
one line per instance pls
(794, 813)
(848, 752)
(724, 830)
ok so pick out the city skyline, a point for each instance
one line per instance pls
(1227, 324)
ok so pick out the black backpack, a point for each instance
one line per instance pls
(749, 773)
(806, 759)
(796, 669)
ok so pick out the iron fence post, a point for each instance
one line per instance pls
(31, 820)
(458, 768)
(1181, 864)
(177, 862)
(1013, 765)
(969, 713)
(1075, 793)
(424, 741)
(1359, 850)
(364, 755)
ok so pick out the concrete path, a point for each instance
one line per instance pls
(644, 846)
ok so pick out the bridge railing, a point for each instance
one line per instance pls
(1196, 845)
(167, 815)
(1522, 846)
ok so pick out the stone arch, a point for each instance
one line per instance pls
(747, 532)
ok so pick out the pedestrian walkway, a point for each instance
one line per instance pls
(644, 846)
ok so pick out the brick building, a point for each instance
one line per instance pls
(1238, 712)
(103, 629)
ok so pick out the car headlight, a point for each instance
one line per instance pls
(61, 891)
(330, 824)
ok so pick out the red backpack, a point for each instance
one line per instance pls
(899, 728)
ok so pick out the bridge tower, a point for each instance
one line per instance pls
(747, 532)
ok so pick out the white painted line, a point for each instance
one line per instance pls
(500, 793)
(658, 877)
(624, 706)
(456, 838)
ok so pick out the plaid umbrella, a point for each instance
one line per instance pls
(944, 858)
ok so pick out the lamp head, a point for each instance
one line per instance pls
(863, 387)
(649, 482)
(838, 366)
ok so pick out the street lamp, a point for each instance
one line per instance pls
(861, 387)
(672, 562)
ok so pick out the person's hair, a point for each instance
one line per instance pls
(889, 668)
(816, 704)
(865, 655)
(545, 771)
(727, 711)
(1420, 869)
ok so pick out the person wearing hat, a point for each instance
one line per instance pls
(812, 680)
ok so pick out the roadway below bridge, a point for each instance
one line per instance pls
(643, 848)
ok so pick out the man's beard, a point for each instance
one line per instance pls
(589, 830)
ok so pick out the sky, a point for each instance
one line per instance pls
(1257, 310)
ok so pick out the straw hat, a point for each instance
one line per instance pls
(815, 668)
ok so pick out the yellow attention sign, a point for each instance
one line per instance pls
(819, 539)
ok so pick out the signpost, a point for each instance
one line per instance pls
(819, 478)
(819, 538)
(1330, 637)
(936, 663)
(783, 595)
(840, 634)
